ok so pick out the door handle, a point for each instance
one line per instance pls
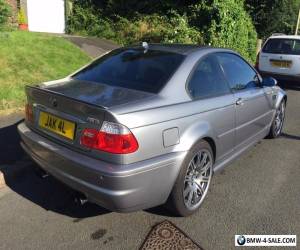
(239, 101)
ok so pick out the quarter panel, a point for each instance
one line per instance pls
(217, 124)
(214, 118)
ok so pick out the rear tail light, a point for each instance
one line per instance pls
(112, 137)
(257, 62)
(29, 113)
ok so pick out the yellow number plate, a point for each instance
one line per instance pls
(57, 125)
(281, 64)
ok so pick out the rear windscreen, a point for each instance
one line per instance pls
(139, 69)
(282, 46)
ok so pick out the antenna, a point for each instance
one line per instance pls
(145, 45)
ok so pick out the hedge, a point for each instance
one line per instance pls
(5, 12)
(210, 22)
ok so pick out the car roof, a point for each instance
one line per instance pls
(284, 37)
(183, 49)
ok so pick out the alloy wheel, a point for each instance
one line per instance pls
(197, 179)
(279, 118)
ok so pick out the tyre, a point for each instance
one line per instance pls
(193, 180)
(277, 124)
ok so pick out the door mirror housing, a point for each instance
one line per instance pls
(269, 82)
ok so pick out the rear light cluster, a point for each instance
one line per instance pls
(112, 137)
(29, 113)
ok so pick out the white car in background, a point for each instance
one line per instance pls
(280, 57)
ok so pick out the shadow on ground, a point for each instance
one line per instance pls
(292, 137)
(289, 85)
(10, 149)
(21, 176)
(162, 211)
(52, 195)
(47, 193)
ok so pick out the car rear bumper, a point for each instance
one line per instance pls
(282, 77)
(121, 188)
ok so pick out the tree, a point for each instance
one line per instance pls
(273, 16)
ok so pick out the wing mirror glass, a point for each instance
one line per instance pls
(269, 82)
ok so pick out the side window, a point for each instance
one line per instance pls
(239, 74)
(207, 79)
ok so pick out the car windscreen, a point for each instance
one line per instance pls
(139, 69)
(282, 46)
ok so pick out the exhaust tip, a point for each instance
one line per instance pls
(80, 199)
(41, 173)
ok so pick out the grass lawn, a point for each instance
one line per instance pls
(29, 58)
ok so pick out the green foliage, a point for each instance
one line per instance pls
(215, 22)
(156, 28)
(87, 20)
(5, 13)
(227, 25)
(129, 8)
(273, 16)
(152, 28)
(22, 19)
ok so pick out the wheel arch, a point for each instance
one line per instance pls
(194, 134)
(285, 98)
(212, 144)
(280, 96)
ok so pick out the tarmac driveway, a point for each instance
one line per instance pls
(257, 194)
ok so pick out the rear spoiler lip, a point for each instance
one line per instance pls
(68, 97)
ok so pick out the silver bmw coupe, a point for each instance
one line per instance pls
(146, 125)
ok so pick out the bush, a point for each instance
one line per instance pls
(151, 28)
(22, 17)
(156, 29)
(86, 20)
(227, 25)
(215, 22)
(5, 13)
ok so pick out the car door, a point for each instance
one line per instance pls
(252, 105)
(209, 88)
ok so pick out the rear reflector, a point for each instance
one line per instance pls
(89, 137)
(112, 137)
(29, 113)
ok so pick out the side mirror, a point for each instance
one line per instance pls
(269, 82)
